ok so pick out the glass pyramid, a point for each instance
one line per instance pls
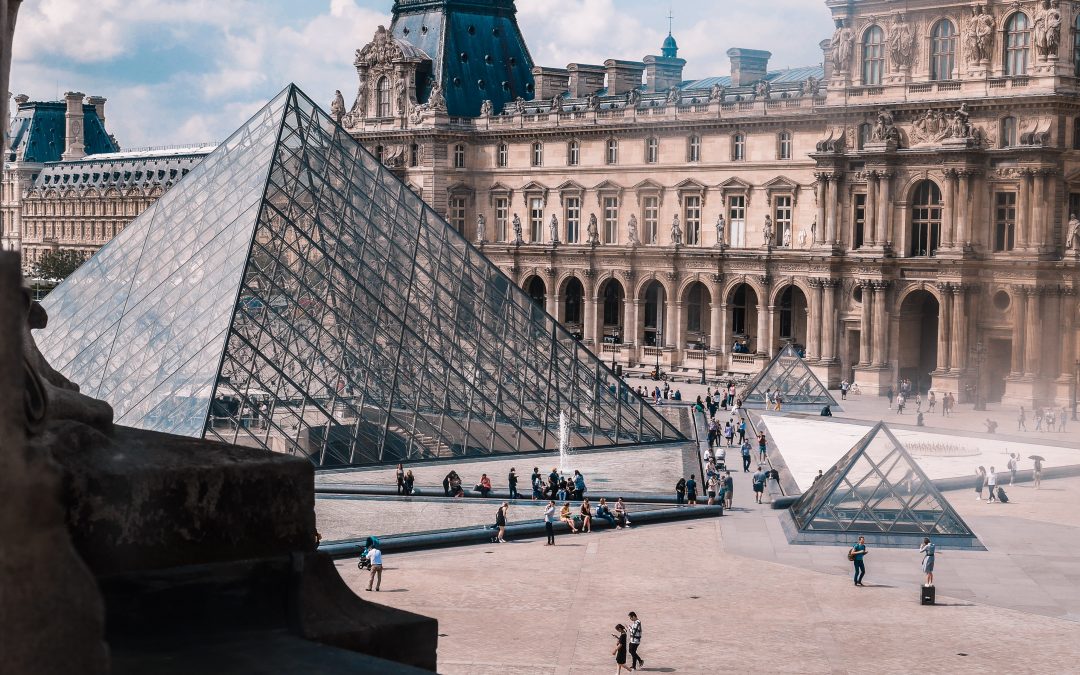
(291, 293)
(788, 374)
(877, 488)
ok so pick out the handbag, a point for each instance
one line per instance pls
(851, 556)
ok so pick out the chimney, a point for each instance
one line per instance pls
(99, 107)
(74, 134)
(622, 76)
(585, 79)
(663, 73)
(21, 99)
(550, 82)
(748, 66)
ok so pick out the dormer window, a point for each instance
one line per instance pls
(382, 101)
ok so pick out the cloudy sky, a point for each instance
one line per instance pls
(186, 71)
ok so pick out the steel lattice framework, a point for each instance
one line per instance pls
(291, 293)
(788, 374)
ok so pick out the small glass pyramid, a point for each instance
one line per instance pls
(877, 488)
(788, 374)
(291, 293)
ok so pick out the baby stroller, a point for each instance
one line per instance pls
(365, 563)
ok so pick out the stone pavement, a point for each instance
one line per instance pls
(526, 608)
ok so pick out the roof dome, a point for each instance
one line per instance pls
(670, 48)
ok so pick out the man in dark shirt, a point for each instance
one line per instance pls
(857, 552)
(512, 481)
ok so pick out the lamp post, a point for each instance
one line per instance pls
(704, 354)
(659, 346)
(978, 355)
(614, 348)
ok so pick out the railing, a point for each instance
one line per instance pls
(875, 91)
(998, 84)
(695, 355)
(653, 352)
(919, 88)
(948, 86)
(1021, 81)
(610, 349)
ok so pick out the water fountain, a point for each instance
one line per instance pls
(564, 442)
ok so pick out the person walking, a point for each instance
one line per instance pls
(549, 523)
(1011, 466)
(512, 481)
(931, 403)
(691, 491)
(711, 488)
(635, 641)
(980, 482)
(537, 484)
(759, 483)
(375, 556)
(918, 403)
(856, 555)
(991, 483)
(742, 431)
(500, 523)
(844, 386)
(1036, 474)
(762, 447)
(729, 433)
(745, 456)
(927, 550)
(729, 485)
(900, 401)
(1021, 420)
(1038, 419)
(410, 480)
(890, 394)
(400, 479)
(620, 649)
(1061, 420)
(680, 491)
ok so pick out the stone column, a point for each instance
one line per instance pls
(958, 336)
(948, 215)
(822, 194)
(629, 331)
(884, 222)
(1032, 340)
(1023, 207)
(772, 331)
(670, 318)
(1042, 230)
(865, 340)
(680, 329)
(944, 315)
(813, 323)
(725, 330)
(1019, 295)
(551, 306)
(963, 216)
(831, 211)
(1068, 333)
(880, 323)
(870, 219)
(634, 324)
(828, 320)
(589, 328)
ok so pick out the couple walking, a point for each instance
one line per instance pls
(629, 639)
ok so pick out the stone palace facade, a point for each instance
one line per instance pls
(902, 211)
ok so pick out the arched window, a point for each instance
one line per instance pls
(613, 304)
(1008, 132)
(573, 153)
(942, 50)
(739, 307)
(783, 150)
(787, 313)
(1017, 45)
(538, 154)
(873, 55)
(652, 150)
(382, 97)
(612, 154)
(575, 292)
(695, 308)
(738, 147)
(926, 220)
(502, 155)
(693, 153)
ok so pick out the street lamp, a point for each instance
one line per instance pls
(659, 346)
(978, 355)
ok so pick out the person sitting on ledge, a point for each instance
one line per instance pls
(455, 485)
(602, 511)
(565, 517)
(826, 411)
(991, 426)
(484, 486)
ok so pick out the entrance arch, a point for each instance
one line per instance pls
(573, 306)
(613, 300)
(697, 312)
(537, 290)
(791, 318)
(655, 311)
(917, 356)
(742, 318)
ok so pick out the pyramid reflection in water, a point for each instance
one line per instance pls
(291, 293)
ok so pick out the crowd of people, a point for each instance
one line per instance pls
(1048, 417)
(582, 520)
(659, 394)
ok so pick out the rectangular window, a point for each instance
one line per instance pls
(459, 156)
(650, 219)
(738, 148)
(692, 219)
(652, 151)
(612, 151)
(536, 220)
(502, 155)
(1005, 221)
(737, 220)
(694, 150)
(611, 220)
(573, 220)
(782, 216)
(414, 155)
(859, 221)
(573, 153)
(457, 214)
(538, 154)
(502, 218)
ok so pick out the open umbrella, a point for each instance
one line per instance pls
(1038, 458)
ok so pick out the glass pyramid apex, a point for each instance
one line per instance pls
(292, 293)
(788, 374)
(877, 488)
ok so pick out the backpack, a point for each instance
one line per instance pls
(1002, 497)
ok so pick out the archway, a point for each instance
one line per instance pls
(697, 312)
(655, 311)
(917, 355)
(537, 290)
(790, 323)
(573, 306)
(742, 319)
(612, 297)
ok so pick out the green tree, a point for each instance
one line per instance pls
(58, 264)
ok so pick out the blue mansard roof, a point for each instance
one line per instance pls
(38, 129)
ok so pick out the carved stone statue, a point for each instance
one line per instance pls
(481, 229)
(631, 231)
(519, 105)
(787, 238)
(337, 106)
(813, 230)
(721, 231)
(811, 86)
(554, 227)
(763, 89)
(980, 35)
(802, 238)
(676, 231)
(437, 101)
(885, 130)
(673, 96)
(717, 93)
(486, 108)
(593, 231)
(767, 232)
(633, 97)
(1046, 28)
(592, 102)
(902, 42)
(843, 46)
(556, 104)
(517, 230)
(1072, 242)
